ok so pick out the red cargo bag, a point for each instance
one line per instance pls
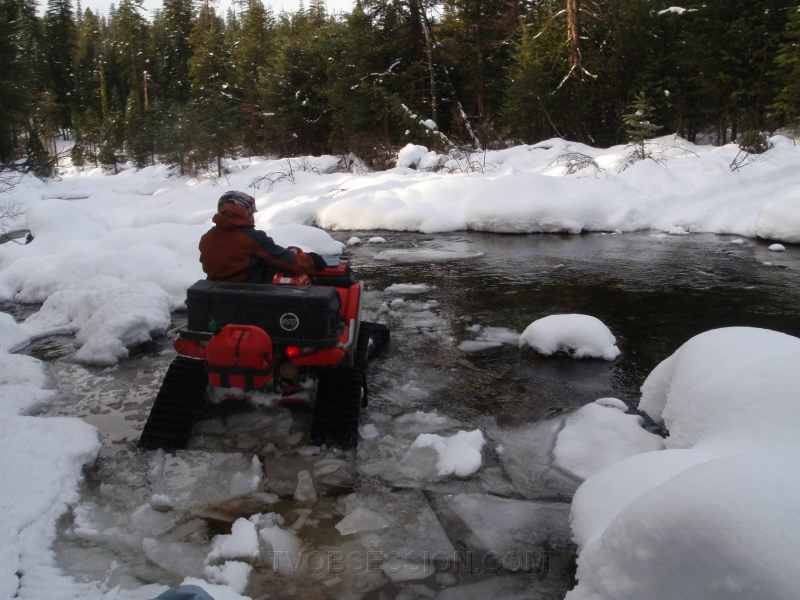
(239, 356)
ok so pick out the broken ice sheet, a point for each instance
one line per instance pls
(177, 557)
(195, 478)
(411, 525)
(513, 526)
(360, 520)
(528, 459)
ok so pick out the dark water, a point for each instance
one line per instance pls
(653, 291)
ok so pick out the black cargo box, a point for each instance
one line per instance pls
(305, 316)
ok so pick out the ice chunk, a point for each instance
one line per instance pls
(407, 288)
(478, 346)
(737, 241)
(360, 520)
(354, 241)
(411, 525)
(162, 502)
(233, 573)
(242, 542)
(422, 256)
(305, 491)
(459, 455)
(777, 248)
(422, 422)
(368, 431)
(580, 335)
(528, 459)
(195, 478)
(284, 547)
(513, 526)
(177, 557)
(376, 240)
(596, 436)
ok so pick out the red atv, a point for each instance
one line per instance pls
(301, 337)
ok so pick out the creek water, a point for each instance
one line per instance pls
(652, 290)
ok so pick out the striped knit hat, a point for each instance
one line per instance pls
(240, 199)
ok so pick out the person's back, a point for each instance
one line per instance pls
(234, 250)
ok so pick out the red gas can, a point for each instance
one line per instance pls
(239, 356)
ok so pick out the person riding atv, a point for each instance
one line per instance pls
(267, 320)
(234, 250)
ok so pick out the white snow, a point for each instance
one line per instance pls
(354, 241)
(599, 435)
(418, 157)
(242, 542)
(308, 239)
(687, 521)
(459, 455)
(777, 248)
(376, 240)
(582, 336)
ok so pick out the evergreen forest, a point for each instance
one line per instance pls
(190, 87)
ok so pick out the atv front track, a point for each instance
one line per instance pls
(178, 405)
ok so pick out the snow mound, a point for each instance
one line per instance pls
(779, 221)
(581, 336)
(242, 542)
(308, 239)
(459, 455)
(418, 157)
(109, 316)
(599, 435)
(777, 248)
(687, 521)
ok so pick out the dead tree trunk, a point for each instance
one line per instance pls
(574, 37)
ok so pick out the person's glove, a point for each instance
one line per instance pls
(319, 262)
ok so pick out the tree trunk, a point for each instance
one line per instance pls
(574, 37)
(429, 52)
(479, 50)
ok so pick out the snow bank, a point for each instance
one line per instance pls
(581, 336)
(108, 316)
(40, 465)
(688, 521)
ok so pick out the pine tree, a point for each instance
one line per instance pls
(211, 73)
(60, 36)
(175, 49)
(638, 125)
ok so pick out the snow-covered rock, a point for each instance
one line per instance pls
(582, 336)
(777, 248)
(687, 521)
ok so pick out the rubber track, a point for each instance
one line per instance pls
(338, 405)
(178, 404)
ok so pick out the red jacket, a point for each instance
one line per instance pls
(234, 250)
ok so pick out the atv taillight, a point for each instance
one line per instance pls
(295, 351)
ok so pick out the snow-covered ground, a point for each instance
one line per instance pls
(112, 256)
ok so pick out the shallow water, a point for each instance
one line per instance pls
(653, 291)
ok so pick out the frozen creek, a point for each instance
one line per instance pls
(152, 518)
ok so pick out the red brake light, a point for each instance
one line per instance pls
(293, 351)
